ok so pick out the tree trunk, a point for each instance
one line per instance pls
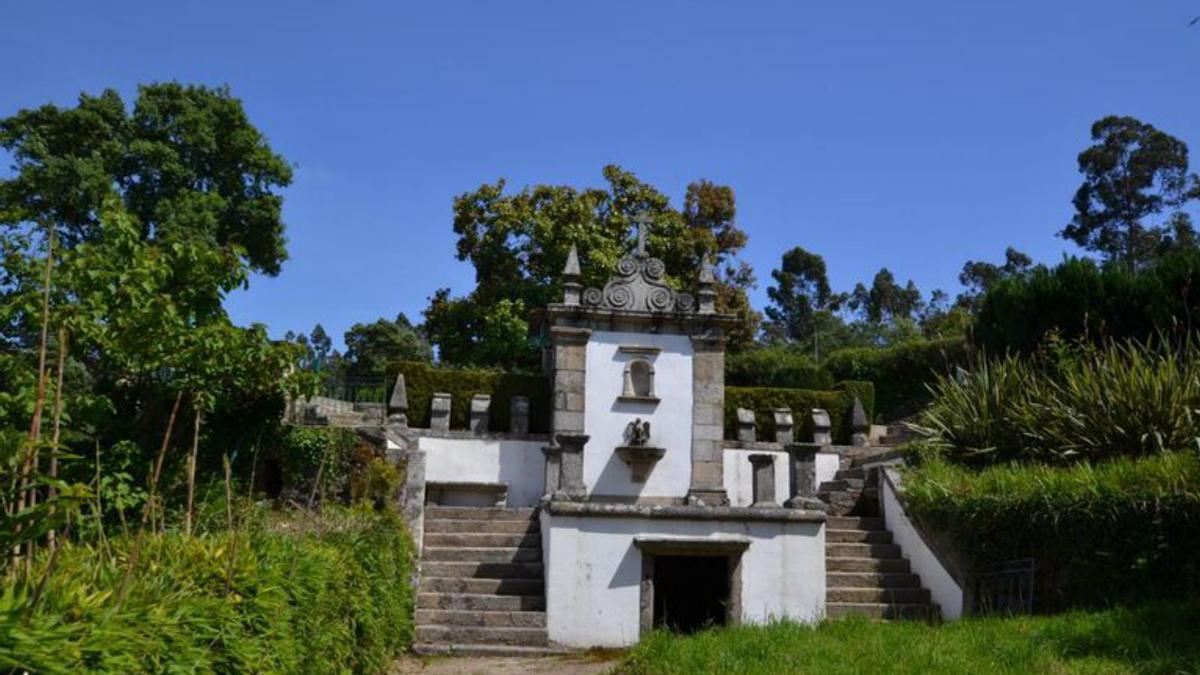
(58, 409)
(191, 470)
(156, 470)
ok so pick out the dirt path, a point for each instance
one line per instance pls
(508, 665)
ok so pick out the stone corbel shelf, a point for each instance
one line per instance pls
(744, 513)
(637, 349)
(641, 459)
(649, 400)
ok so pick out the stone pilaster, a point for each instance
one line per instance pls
(708, 421)
(570, 476)
(439, 412)
(784, 425)
(802, 474)
(763, 479)
(553, 455)
(570, 363)
(480, 405)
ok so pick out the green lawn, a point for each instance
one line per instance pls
(1156, 638)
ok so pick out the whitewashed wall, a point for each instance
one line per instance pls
(518, 464)
(944, 590)
(593, 575)
(739, 474)
(605, 418)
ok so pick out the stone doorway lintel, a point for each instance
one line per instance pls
(651, 546)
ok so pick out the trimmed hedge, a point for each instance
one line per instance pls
(422, 380)
(900, 373)
(1104, 533)
(763, 400)
(775, 367)
(321, 594)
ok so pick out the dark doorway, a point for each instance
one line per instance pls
(691, 593)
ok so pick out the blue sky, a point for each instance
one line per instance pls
(909, 135)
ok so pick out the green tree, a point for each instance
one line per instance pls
(518, 244)
(371, 346)
(801, 292)
(1132, 173)
(885, 300)
(978, 277)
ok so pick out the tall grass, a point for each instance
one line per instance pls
(1156, 638)
(1069, 404)
(318, 594)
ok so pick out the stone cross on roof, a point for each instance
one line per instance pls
(643, 222)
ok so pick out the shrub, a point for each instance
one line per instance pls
(423, 380)
(775, 367)
(899, 373)
(1068, 404)
(763, 400)
(1102, 533)
(1083, 300)
(321, 595)
(303, 452)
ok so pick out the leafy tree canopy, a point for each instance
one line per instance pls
(1132, 173)
(885, 300)
(370, 347)
(801, 290)
(979, 276)
(518, 244)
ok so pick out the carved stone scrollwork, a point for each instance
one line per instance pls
(638, 286)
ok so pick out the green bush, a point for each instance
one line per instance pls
(1069, 404)
(899, 373)
(763, 400)
(1082, 299)
(775, 367)
(1116, 531)
(325, 594)
(302, 451)
(423, 380)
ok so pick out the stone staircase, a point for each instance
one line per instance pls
(866, 575)
(482, 591)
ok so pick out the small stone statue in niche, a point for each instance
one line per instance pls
(639, 432)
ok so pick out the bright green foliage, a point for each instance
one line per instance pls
(1115, 531)
(763, 400)
(1070, 404)
(1153, 638)
(775, 367)
(518, 244)
(900, 373)
(322, 594)
(422, 380)
(1081, 299)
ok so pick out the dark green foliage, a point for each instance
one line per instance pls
(775, 367)
(1154, 637)
(763, 400)
(900, 373)
(302, 452)
(800, 292)
(422, 380)
(370, 347)
(328, 593)
(1117, 531)
(1081, 299)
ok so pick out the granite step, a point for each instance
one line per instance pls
(482, 540)
(472, 586)
(854, 474)
(480, 602)
(858, 537)
(492, 635)
(465, 649)
(476, 618)
(483, 555)
(867, 565)
(872, 580)
(835, 550)
(880, 610)
(491, 513)
(483, 570)
(842, 484)
(854, 523)
(465, 526)
(904, 596)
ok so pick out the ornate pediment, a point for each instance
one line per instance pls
(638, 286)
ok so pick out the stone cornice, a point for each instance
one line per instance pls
(734, 513)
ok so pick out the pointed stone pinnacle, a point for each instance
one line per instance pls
(571, 269)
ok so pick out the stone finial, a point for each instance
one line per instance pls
(860, 426)
(707, 295)
(571, 286)
(398, 403)
(480, 403)
(784, 424)
(518, 415)
(822, 427)
(439, 412)
(746, 425)
(763, 479)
